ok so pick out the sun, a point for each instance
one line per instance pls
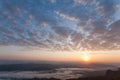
(86, 58)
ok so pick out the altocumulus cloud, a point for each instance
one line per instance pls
(60, 24)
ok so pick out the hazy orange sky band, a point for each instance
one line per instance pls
(74, 56)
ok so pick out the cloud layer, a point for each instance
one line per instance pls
(69, 25)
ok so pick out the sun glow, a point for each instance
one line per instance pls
(86, 58)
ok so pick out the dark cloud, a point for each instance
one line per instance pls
(98, 28)
(114, 33)
(115, 28)
(63, 31)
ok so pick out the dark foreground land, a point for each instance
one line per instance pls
(110, 75)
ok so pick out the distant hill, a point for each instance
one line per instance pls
(42, 66)
(27, 67)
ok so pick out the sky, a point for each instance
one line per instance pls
(60, 30)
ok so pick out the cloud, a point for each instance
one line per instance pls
(107, 39)
(66, 16)
(65, 25)
(106, 9)
(53, 1)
